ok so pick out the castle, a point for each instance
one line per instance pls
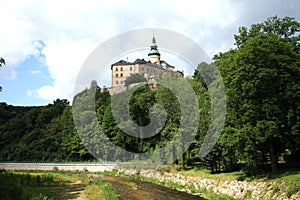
(123, 69)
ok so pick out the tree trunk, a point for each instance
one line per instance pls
(175, 160)
(140, 143)
(273, 159)
(188, 157)
(212, 171)
(183, 156)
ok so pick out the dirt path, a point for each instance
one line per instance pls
(73, 191)
(132, 189)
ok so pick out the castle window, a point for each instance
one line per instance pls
(117, 69)
(121, 75)
(122, 82)
(117, 75)
(130, 68)
(121, 68)
(117, 82)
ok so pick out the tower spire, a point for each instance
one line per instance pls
(153, 42)
(154, 55)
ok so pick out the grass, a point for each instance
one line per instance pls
(23, 185)
(290, 180)
(132, 185)
(45, 185)
(101, 190)
(205, 173)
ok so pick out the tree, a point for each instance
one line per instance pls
(2, 62)
(258, 79)
(286, 27)
(261, 77)
(32, 133)
(135, 78)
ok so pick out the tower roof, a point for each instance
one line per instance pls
(153, 48)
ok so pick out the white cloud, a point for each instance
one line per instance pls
(34, 71)
(31, 93)
(64, 61)
(70, 30)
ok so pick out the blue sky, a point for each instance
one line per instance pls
(45, 43)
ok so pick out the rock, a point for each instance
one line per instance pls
(237, 189)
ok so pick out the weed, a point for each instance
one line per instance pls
(101, 190)
(248, 194)
(43, 185)
(41, 196)
(292, 189)
(55, 169)
(132, 185)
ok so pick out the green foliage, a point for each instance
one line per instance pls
(132, 185)
(261, 77)
(137, 115)
(13, 185)
(135, 78)
(10, 189)
(31, 133)
(42, 196)
(101, 190)
(287, 28)
(43, 185)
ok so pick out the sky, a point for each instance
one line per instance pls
(46, 42)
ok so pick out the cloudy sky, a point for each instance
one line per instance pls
(45, 43)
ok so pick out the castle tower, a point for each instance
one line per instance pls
(154, 55)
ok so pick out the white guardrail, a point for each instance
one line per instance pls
(91, 167)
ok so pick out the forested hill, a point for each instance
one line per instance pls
(39, 133)
(262, 128)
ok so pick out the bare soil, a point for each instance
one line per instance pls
(145, 190)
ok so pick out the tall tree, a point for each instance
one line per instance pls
(287, 28)
(258, 80)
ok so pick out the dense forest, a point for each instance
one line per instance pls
(262, 128)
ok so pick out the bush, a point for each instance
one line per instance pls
(41, 196)
(12, 185)
(251, 169)
(10, 188)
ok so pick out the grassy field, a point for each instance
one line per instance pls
(41, 185)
